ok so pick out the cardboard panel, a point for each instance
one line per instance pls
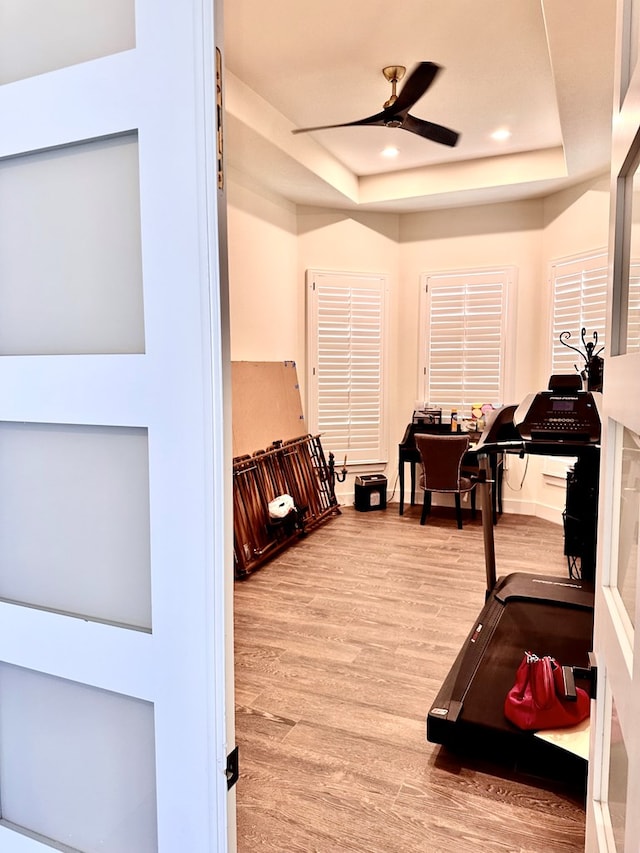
(266, 404)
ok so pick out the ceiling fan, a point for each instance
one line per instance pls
(395, 111)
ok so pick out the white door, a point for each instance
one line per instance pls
(112, 454)
(613, 816)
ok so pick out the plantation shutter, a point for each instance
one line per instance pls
(579, 302)
(346, 364)
(633, 308)
(465, 338)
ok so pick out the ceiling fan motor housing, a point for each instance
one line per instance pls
(394, 73)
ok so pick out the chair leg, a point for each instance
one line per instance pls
(426, 507)
(458, 510)
(473, 503)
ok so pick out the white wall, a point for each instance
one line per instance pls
(576, 220)
(272, 244)
(353, 242)
(264, 286)
(350, 242)
(484, 236)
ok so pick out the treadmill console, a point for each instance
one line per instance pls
(560, 416)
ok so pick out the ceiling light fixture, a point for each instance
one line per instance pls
(390, 151)
(501, 135)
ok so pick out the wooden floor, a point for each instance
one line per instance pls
(342, 643)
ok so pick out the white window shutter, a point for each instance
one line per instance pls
(346, 359)
(464, 335)
(579, 288)
(633, 308)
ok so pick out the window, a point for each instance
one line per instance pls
(466, 337)
(346, 341)
(632, 343)
(579, 293)
(579, 301)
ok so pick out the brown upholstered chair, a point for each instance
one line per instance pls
(441, 457)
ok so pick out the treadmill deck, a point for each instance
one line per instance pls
(524, 612)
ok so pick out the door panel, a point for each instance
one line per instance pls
(613, 819)
(112, 449)
(627, 546)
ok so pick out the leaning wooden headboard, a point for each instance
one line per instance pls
(266, 404)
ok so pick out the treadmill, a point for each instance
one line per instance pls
(524, 611)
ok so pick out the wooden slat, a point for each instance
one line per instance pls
(297, 468)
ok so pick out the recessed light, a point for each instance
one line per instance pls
(501, 135)
(390, 151)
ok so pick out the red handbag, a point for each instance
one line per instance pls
(540, 698)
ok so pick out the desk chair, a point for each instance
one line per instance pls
(441, 458)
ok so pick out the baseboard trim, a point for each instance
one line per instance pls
(515, 507)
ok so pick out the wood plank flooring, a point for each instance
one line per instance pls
(342, 643)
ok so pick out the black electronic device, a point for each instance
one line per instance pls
(560, 416)
(427, 416)
(370, 491)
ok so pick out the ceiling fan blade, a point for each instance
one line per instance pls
(378, 118)
(416, 85)
(429, 130)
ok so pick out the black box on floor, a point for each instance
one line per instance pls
(370, 492)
